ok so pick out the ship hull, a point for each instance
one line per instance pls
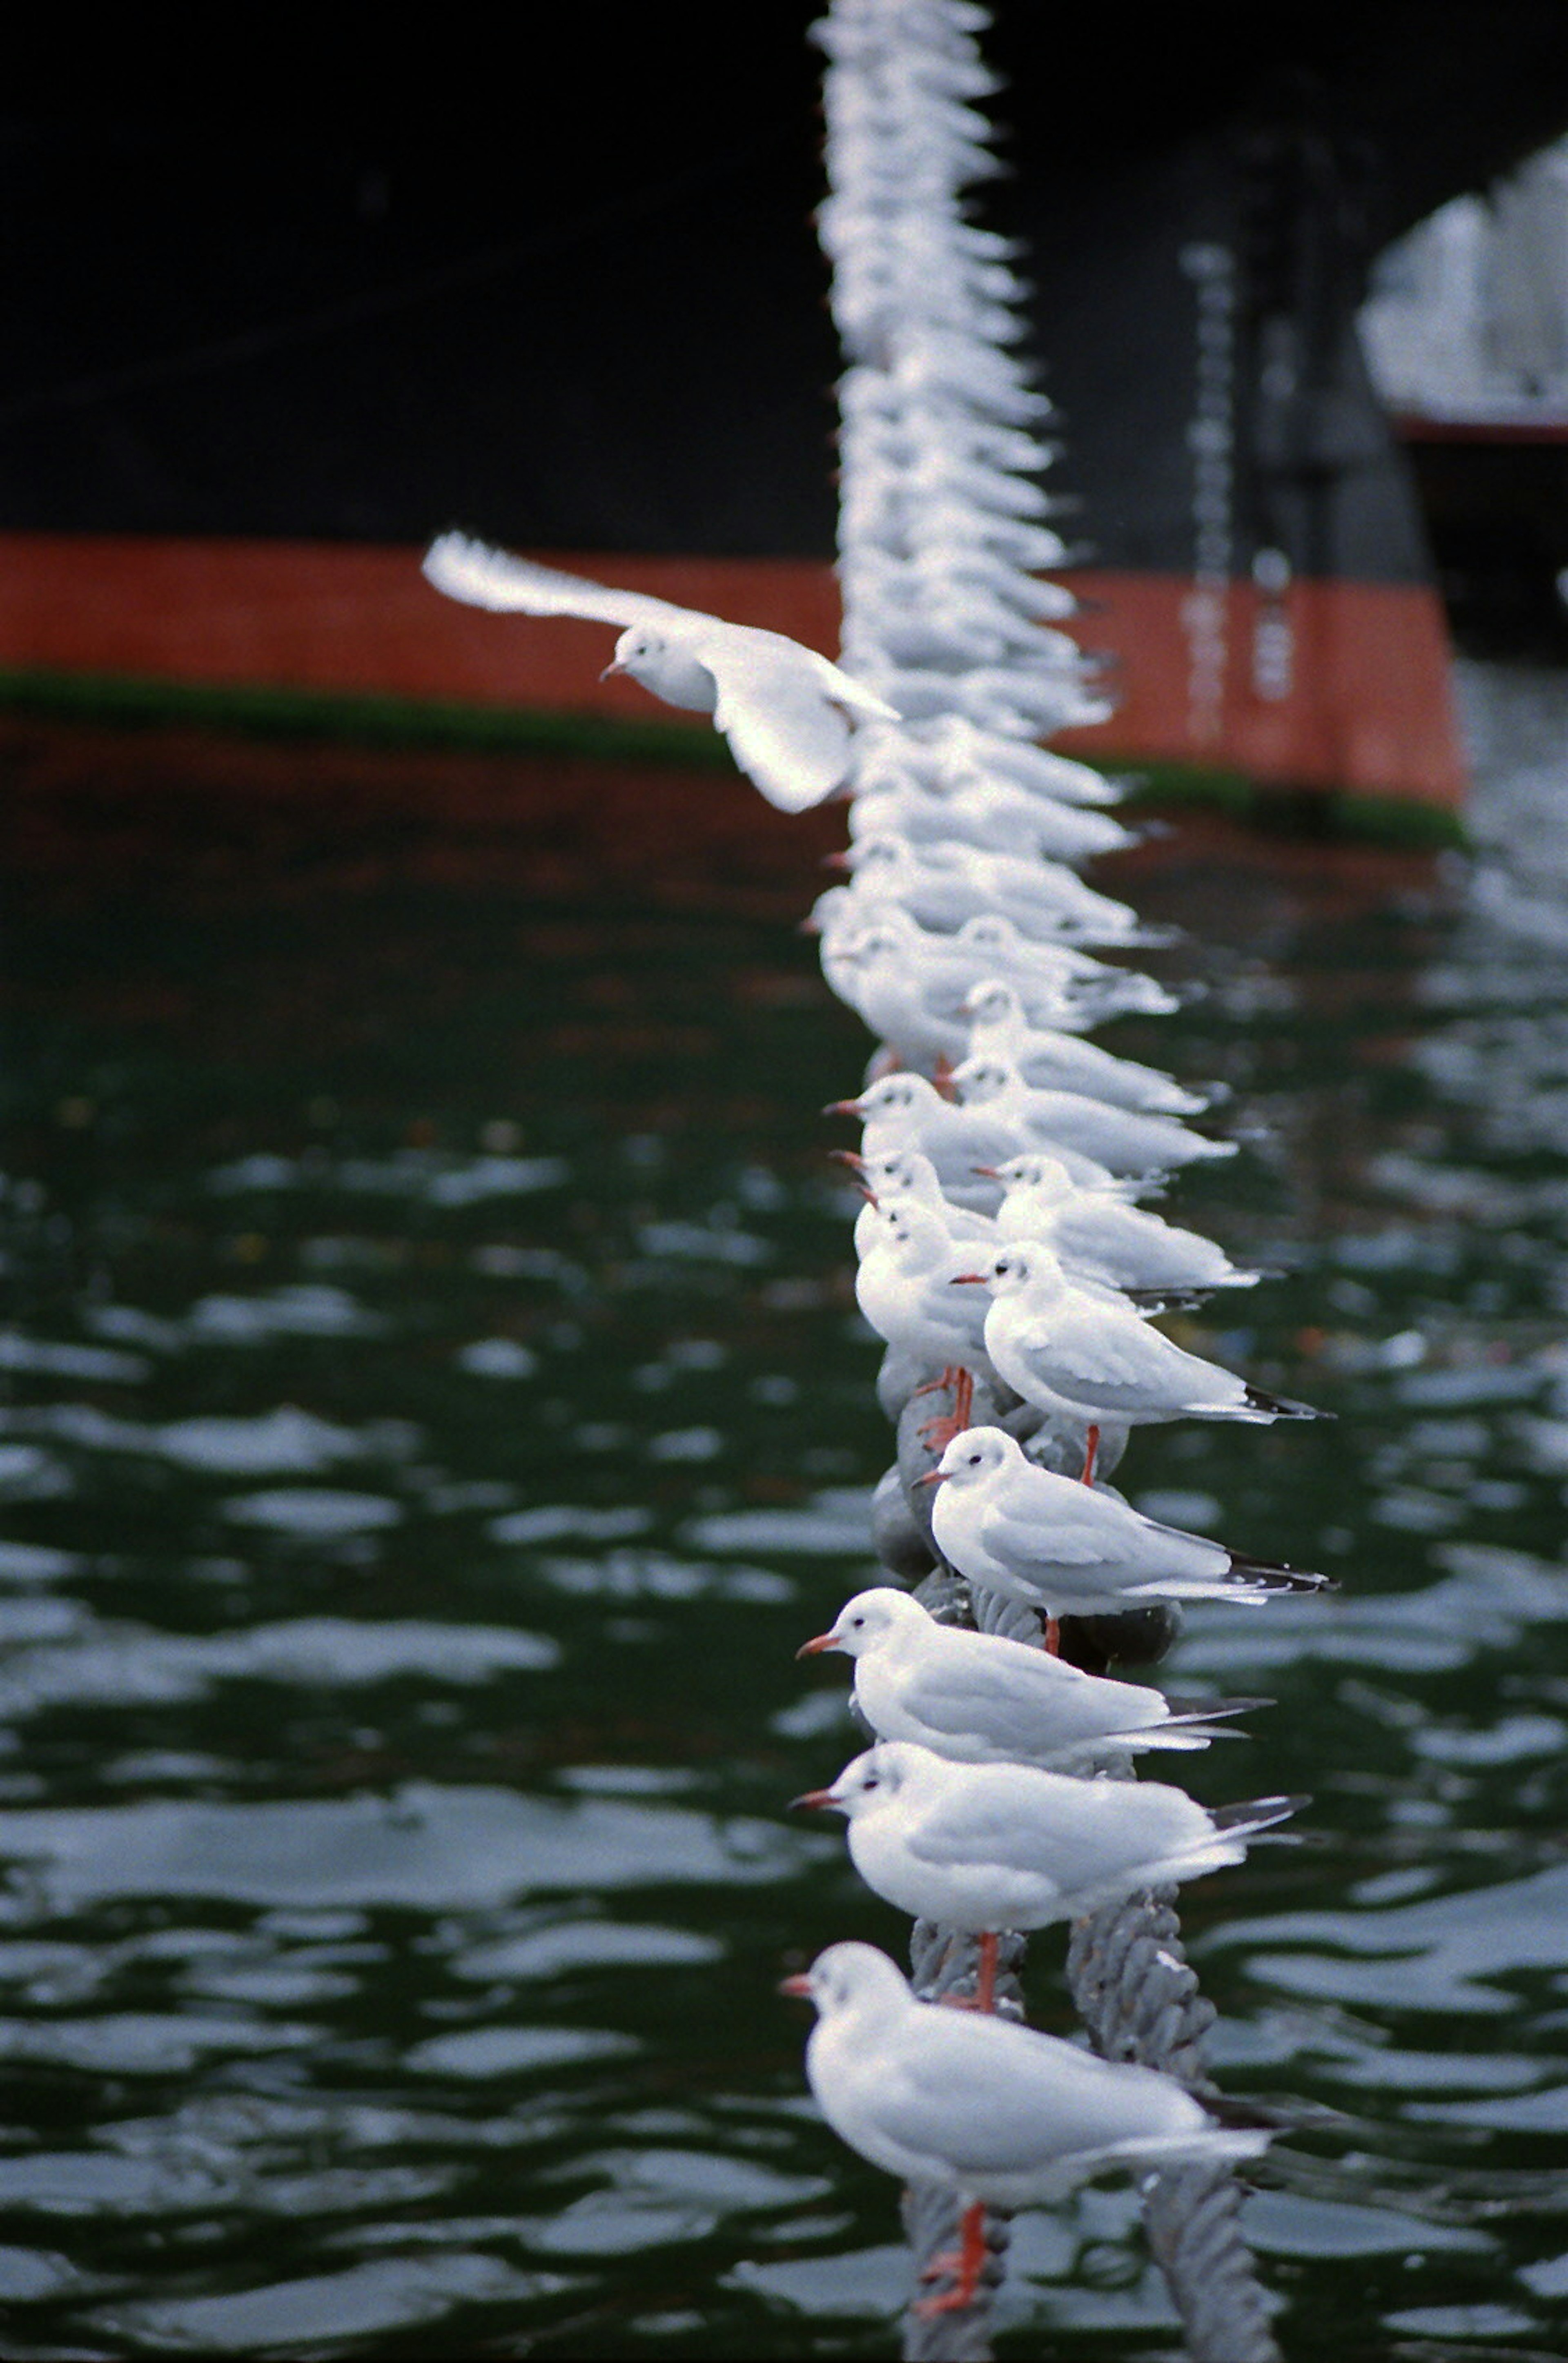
(247, 376)
(1332, 685)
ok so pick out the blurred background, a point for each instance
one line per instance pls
(435, 1404)
(258, 354)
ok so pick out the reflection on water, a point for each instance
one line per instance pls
(435, 1412)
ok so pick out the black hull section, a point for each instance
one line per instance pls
(586, 311)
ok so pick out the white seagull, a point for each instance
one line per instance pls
(1124, 1140)
(1048, 976)
(997, 815)
(1086, 1356)
(979, 1698)
(781, 708)
(1076, 1549)
(908, 1174)
(907, 1111)
(955, 740)
(941, 886)
(1099, 1237)
(866, 966)
(903, 1284)
(989, 1847)
(1001, 2115)
(1053, 1060)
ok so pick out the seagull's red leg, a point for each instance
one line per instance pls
(966, 2263)
(1052, 1637)
(942, 1075)
(1091, 1446)
(985, 1995)
(940, 1433)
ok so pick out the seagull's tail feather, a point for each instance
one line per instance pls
(1232, 1829)
(1282, 1406)
(1234, 1588)
(1199, 2145)
(1212, 1709)
(860, 699)
(1184, 1731)
(1254, 2114)
(1265, 1572)
(1212, 1147)
(1258, 1815)
(1154, 937)
(1207, 1717)
(1167, 1300)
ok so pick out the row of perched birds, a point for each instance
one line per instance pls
(1002, 1159)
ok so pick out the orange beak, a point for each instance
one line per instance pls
(611, 670)
(815, 1648)
(842, 1108)
(967, 1280)
(818, 1797)
(800, 1986)
(932, 1477)
(988, 1172)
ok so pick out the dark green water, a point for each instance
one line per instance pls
(436, 1412)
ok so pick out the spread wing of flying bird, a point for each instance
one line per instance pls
(783, 708)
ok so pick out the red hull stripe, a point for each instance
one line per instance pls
(1334, 685)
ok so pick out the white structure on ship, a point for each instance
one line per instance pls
(1467, 321)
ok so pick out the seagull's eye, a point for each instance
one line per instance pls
(975, 1459)
(855, 1624)
(870, 1781)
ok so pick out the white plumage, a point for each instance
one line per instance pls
(1052, 1060)
(1076, 1549)
(1099, 1237)
(904, 1286)
(1089, 1357)
(1123, 1140)
(989, 1847)
(979, 1698)
(781, 708)
(907, 1111)
(998, 2113)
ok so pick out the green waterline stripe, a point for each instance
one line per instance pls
(1330, 812)
(265, 711)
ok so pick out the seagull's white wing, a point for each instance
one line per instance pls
(1012, 2109)
(849, 692)
(1034, 1545)
(1010, 1703)
(783, 727)
(1114, 1365)
(482, 577)
(1071, 1834)
(990, 1825)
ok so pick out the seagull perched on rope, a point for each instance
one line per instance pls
(980, 1698)
(991, 1847)
(1001, 2115)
